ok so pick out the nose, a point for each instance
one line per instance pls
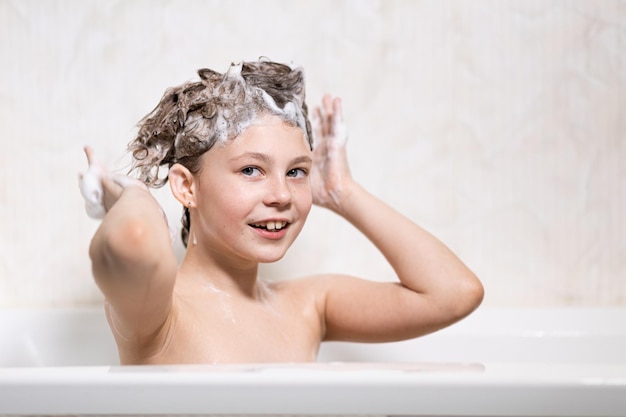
(278, 192)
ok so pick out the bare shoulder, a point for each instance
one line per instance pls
(308, 286)
(321, 284)
(312, 290)
(295, 296)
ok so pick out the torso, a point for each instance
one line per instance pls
(282, 324)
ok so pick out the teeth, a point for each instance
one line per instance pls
(271, 225)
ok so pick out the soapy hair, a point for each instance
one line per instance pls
(193, 117)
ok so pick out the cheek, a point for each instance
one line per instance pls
(304, 198)
(223, 202)
(232, 203)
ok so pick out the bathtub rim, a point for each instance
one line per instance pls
(535, 389)
(521, 389)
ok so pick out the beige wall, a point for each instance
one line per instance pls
(498, 125)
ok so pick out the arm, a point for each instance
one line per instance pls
(435, 289)
(132, 260)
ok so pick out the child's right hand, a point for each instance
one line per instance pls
(100, 188)
(90, 184)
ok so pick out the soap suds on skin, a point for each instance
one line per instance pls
(90, 184)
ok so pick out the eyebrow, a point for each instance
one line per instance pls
(268, 158)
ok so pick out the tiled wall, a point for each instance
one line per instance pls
(500, 126)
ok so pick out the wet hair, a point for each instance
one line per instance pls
(193, 117)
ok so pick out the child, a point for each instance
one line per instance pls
(237, 149)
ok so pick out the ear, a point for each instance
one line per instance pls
(182, 184)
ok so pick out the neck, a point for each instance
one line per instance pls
(222, 275)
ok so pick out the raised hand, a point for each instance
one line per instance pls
(330, 173)
(100, 188)
(90, 184)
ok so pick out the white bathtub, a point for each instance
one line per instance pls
(504, 362)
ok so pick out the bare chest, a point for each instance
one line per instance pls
(223, 330)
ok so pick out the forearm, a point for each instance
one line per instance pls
(422, 263)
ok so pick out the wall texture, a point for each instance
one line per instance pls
(500, 126)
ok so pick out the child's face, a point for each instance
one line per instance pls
(253, 193)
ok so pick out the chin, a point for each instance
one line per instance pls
(270, 256)
(268, 259)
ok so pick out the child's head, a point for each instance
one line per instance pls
(192, 118)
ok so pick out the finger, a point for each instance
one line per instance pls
(336, 122)
(327, 102)
(338, 126)
(92, 160)
(338, 109)
(90, 154)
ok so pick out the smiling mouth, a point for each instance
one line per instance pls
(272, 226)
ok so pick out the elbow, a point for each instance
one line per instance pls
(131, 240)
(126, 244)
(468, 297)
(476, 294)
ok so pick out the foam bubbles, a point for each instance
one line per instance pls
(90, 184)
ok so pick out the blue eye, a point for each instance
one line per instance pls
(297, 173)
(250, 171)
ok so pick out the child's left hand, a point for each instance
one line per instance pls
(330, 173)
